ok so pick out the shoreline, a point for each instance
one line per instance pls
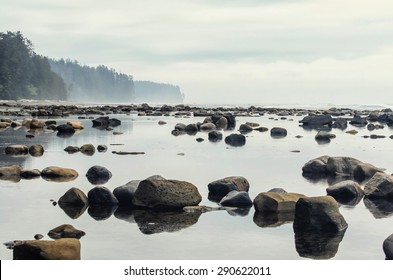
(60, 108)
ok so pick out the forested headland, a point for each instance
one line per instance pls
(27, 75)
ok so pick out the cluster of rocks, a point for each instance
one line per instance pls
(51, 173)
(353, 181)
(35, 150)
(86, 149)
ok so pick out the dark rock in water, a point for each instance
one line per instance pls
(153, 222)
(388, 247)
(231, 120)
(236, 199)
(65, 231)
(191, 128)
(37, 124)
(200, 139)
(16, 150)
(87, 149)
(102, 148)
(244, 128)
(166, 194)
(60, 249)
(98, 175)
(276, 202)
(38, 236)
(105, 122)
(215, 136)
(180, 127)
(323, 136)
(125, 193)
(101, 212)
(74, 197)
(316, 168)
(221, 123)
(273, 219)
(358, 121)
(71, 149)
(342, 165)
(346, 192)
(50, 122)
(220, 188)
(340, 123)
(101, 196)
(371, 127)
(29, 136)
(317, 121)
(318, 214)
(379, 208)
(58, 174)
(235, 140)
(318, 244)
(207, 127)
(176, 132)
(36, 150)
(379, 186)
(278, 132)
(364, 171)
(376, 136)
(65, 130)
(30, 174)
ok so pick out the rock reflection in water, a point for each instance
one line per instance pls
(380, 208)
(101, 212)
(151, 222)
(318, 244)
(238, 211)
(125, 214)
(272, 219)
(73, 211)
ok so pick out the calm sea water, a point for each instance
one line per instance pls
(26, 207)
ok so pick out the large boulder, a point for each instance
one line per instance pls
(317, 121)
(98, 175)
(235, 140)
(379, 186)
(59, 174)
(166, 194)
(125, 194)
(101, 196)
(236, 199)
(342, 165)
(388, 247)
(276, 202)
(220, 188)
(346, 192)
(65, 231)
(16, 150)
(364, 171)
(61, 249)
(318, 214)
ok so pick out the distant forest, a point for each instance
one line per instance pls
(99, 83)
(27, 75)
(146, 91)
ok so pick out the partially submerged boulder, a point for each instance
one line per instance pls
(276, 202)
(380, 186)
(59, 174)
(166, 194)
(16, 150)
(235, 140)
(65, 231)
(61, 249)
(346, 192)
(236, 199)
(219, 188)
(98, 175)
(75, 197)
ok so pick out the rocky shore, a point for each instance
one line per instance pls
(157, 204)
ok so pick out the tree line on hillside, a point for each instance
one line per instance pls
(24, 74)
(85, 83)
(27, 75)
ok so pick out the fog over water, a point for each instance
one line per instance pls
(225, 52)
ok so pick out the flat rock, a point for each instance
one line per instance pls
(59, 174)
(65, 231)
(276, 202)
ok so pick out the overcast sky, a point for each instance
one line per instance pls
(225, 51)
